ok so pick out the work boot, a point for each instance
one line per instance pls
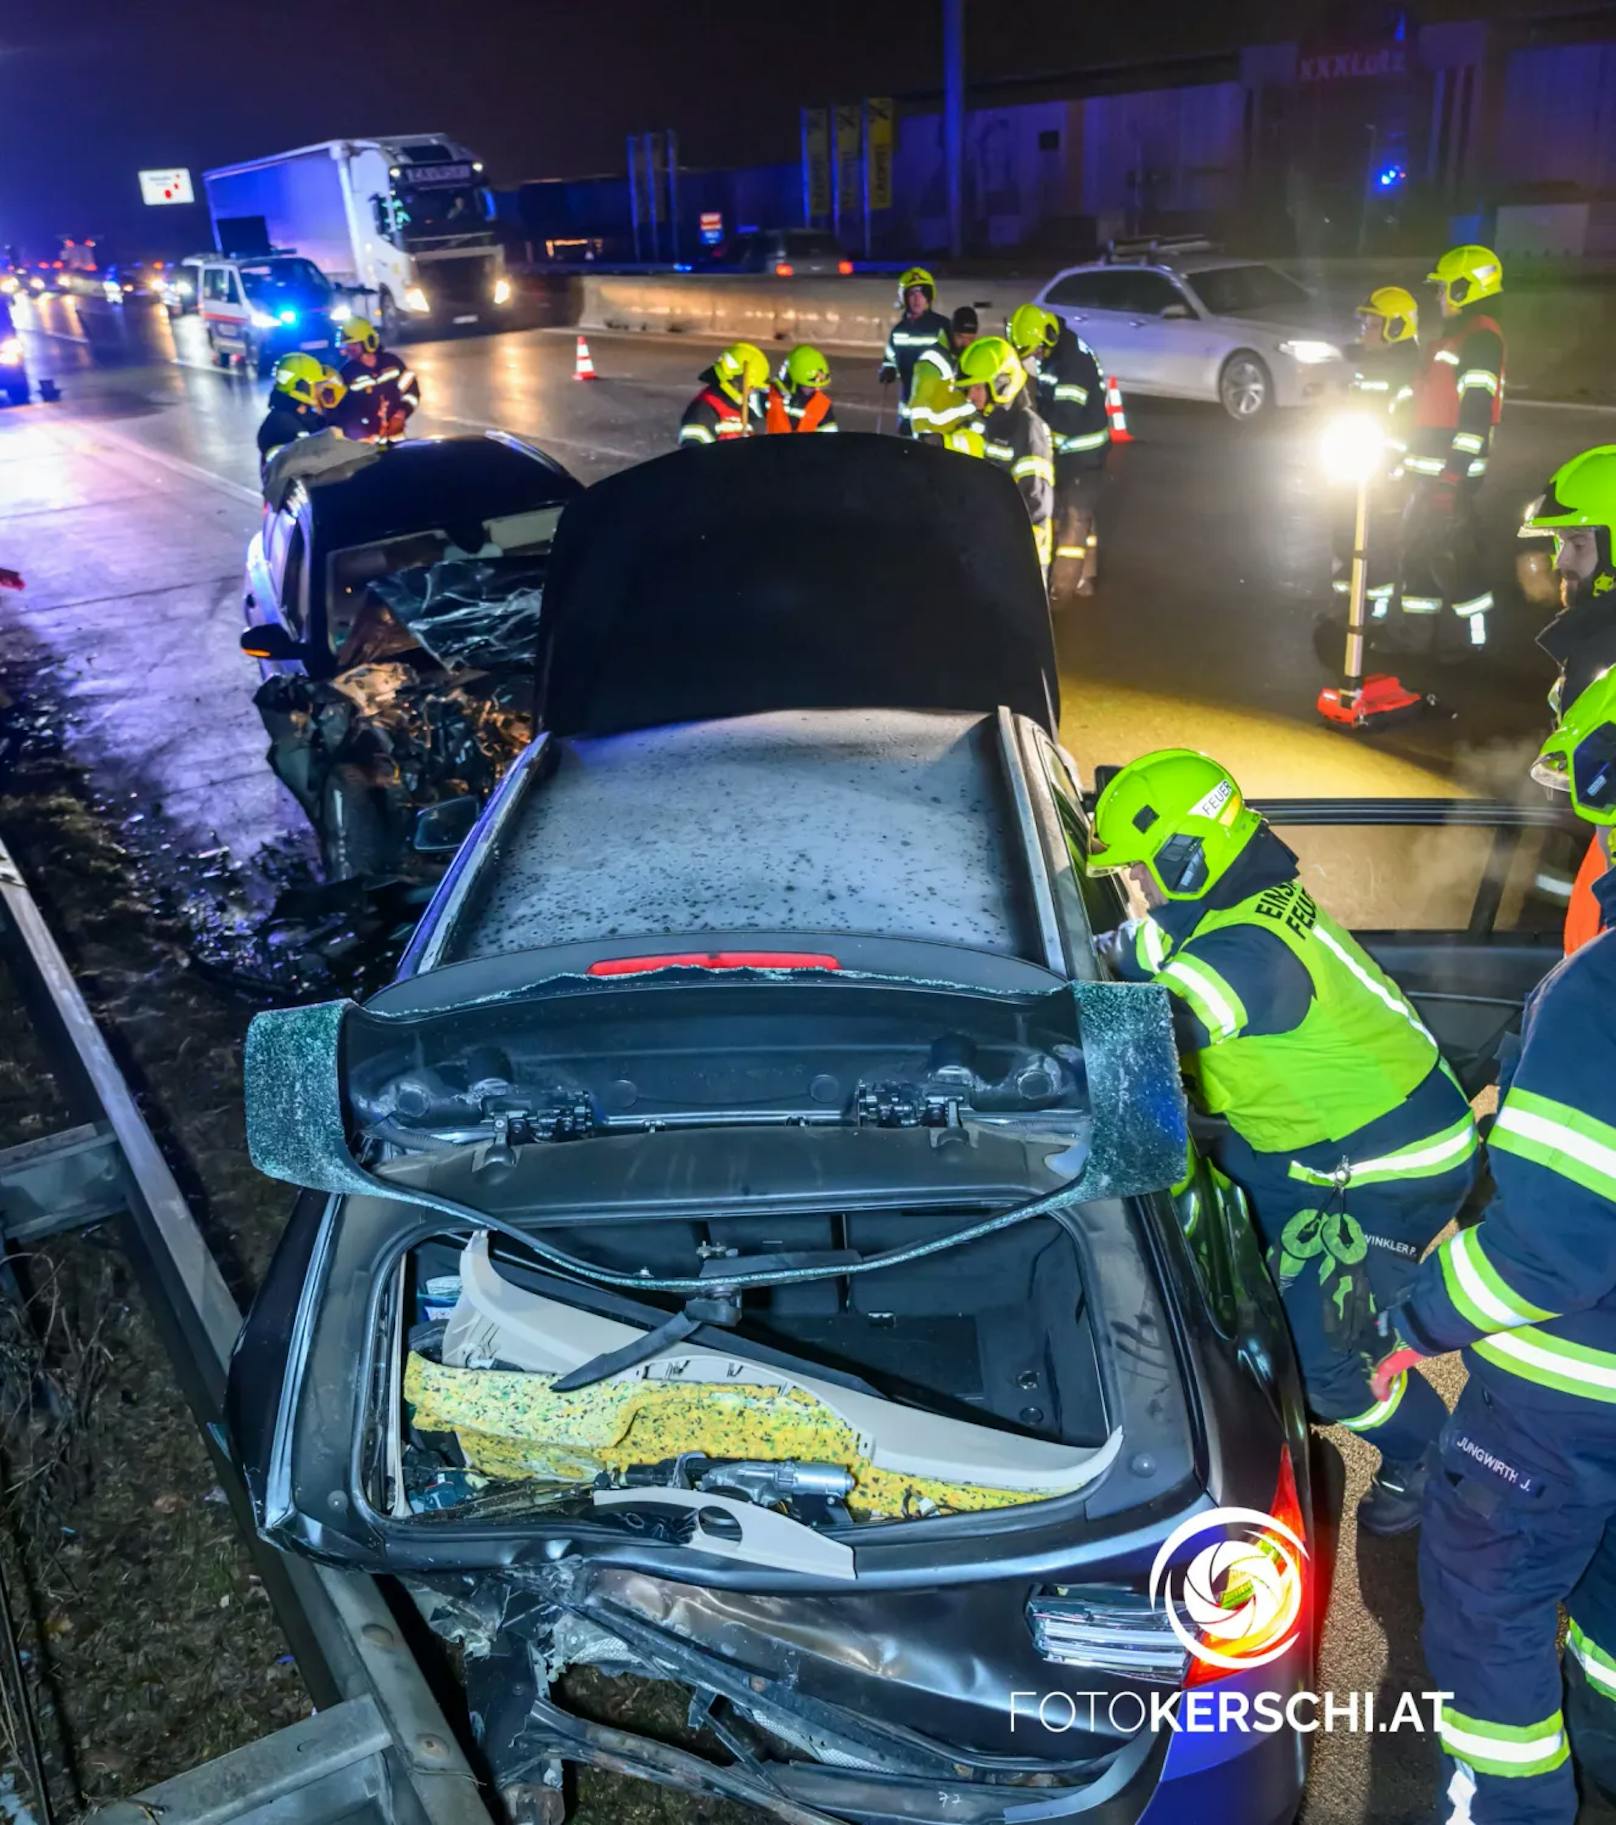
(1393, 1501)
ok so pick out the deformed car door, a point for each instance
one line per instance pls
(1461, 901)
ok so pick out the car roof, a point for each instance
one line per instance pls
(1178, 263)
(880, 823)
(428, 482)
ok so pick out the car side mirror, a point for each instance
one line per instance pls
(1178, 311)
(440, 829)
(270, 640)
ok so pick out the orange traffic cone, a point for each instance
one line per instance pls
(1120, 434)
(583, 368)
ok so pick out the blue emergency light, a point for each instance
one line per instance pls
(1389, 177)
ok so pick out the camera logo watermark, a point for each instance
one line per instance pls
(1238, 1602)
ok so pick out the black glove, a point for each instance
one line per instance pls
(887, 376)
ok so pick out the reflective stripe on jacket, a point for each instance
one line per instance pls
(1356, 1054)
(710, 418)
(1458, 400)
(1071, 397)
(1531, 1290)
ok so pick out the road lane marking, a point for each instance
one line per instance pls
(87, 436)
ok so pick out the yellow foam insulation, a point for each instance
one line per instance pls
(511, 1424)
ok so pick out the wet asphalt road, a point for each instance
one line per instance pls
(128, 504)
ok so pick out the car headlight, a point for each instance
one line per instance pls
(36, 284)
(415, 299)
(339, 313)
(1310, 354)
(111, 291)
(183, 287)
(261, 320)
(8, 283)
(10, 352)
(502, 291)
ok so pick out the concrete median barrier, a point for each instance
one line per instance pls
(841, 313)
(1557, 326)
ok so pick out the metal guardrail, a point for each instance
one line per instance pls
(379, 1745)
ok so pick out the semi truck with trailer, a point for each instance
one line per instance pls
(406, 220)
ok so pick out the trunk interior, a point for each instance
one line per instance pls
(991, 1338)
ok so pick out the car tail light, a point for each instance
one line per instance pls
(783, 269)
(1107, 1631)
(844, 267)
(1286, 1609)
(715, 960)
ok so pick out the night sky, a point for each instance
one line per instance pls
(96, 89)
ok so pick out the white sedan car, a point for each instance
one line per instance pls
(1203, 326)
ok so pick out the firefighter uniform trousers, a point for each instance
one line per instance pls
(1071, 401)
(1318, 1235)
(1519, 1510)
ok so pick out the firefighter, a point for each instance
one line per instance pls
(1385, 366)
(939, 411)
(964, 326)
(798, 399)
(382, 391)
(1071, 400)
(1579, 508)
(1458, 396)
(305, 399)
(921, 327)
(1348, 1134)
(729, 403)
(1013, 435)
(1521, 1502)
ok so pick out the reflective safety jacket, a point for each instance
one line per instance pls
(1071, 401)
(376, 395)
(939, 409)
(286, 421)
(1292, 1031)
(907, 341)
(712, 417)
(1458, 398)
(1530, 1292)
(1017, 439)
(800, 409)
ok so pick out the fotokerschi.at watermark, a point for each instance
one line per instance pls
(1207, 1711)
(1237, 1603)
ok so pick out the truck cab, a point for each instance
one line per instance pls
(403, 226)
(436, 260)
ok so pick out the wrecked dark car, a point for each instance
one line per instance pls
(751, 1246)
(393, 608)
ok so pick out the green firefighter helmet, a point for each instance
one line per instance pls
(991, 362)
(741, 370)
(1032, 330)
(1581, 496)
(1468, 274)
(916, 278)
(359, 332)
(1391, 312)
(806, 367)
(1580, 756)
(1179, 813)
(310, 382)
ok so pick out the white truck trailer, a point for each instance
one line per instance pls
(407, 219)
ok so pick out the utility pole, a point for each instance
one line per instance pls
(954, 120)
